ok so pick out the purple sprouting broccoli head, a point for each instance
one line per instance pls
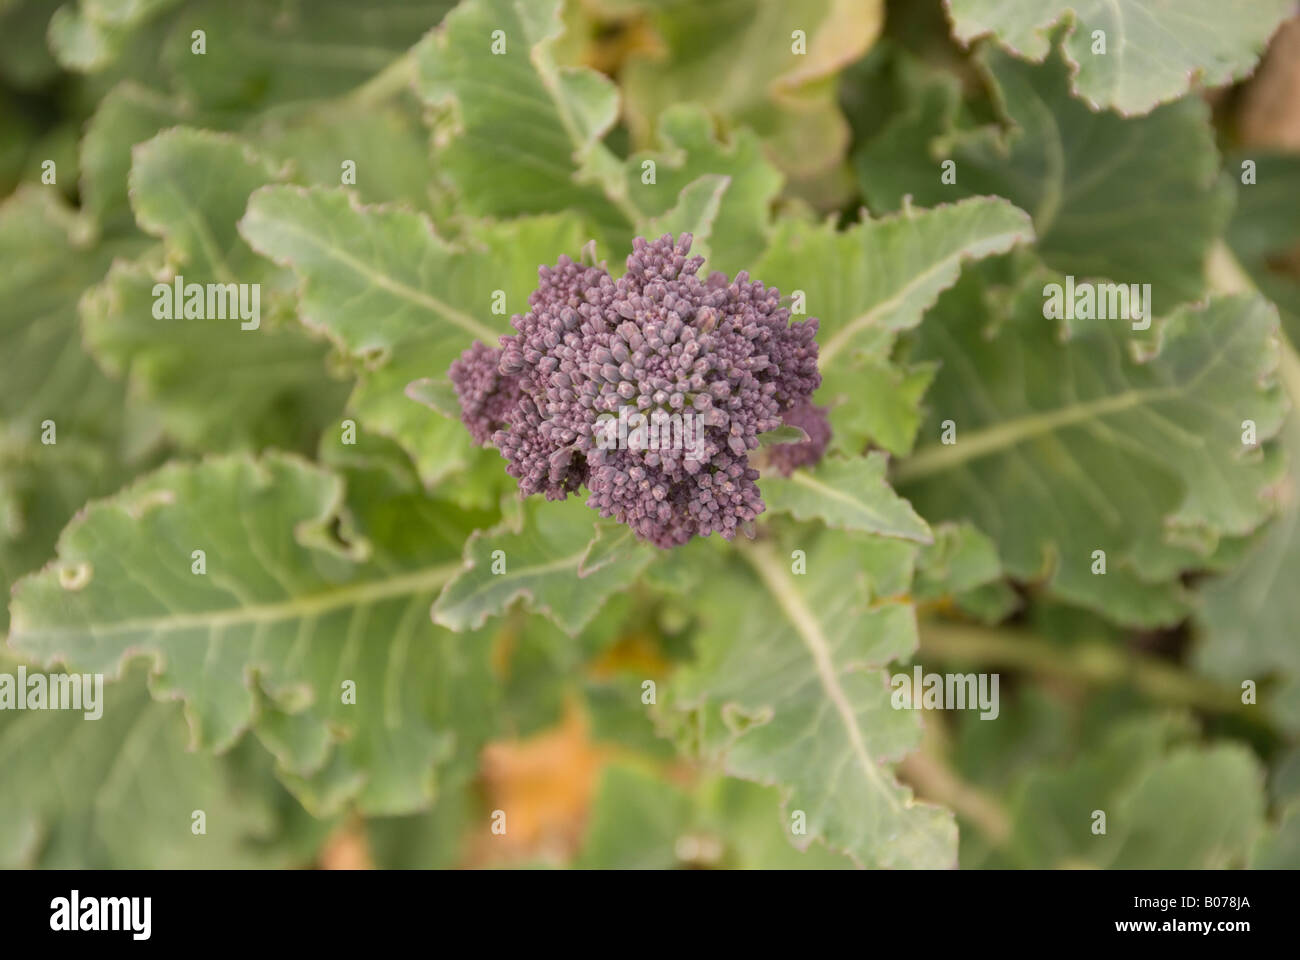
(486, 395)
(788, 457)
(650, 390)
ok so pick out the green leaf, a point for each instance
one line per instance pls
(403, 302)
(695, 212)
(1168, 804)
(1279, 847)
(1086, 178)
(847, 494)
(129, 114)
(538, 561)
(319, 140)
(189, 187)
(786, 686)
(640, 821)
(613, 541)
(1264, 233)
(91, 36)
(284, 615)
(50, 389)
(635, 822)
(740, 60)
(1104, 442)
(262, 54)
(962, 565)
(1153, 52)
(557, 160)
(868, 283)
(119, 791)
(1248, 617)
(688, 151)
(527, 131)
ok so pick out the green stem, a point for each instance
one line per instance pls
(936, 781)
(1091, 662)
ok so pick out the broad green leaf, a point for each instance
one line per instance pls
(1249, 616)
(119, 791)
(538, 562)
(786, 688)
(523, 134)
(695, 212)
(1279, 846)
(875, 401)
(748, 819)
(1089, 180)
(613, 541)
(869, 282)
(128, 115)
(741, 59)
(262, 54)
(847, 494)
(282, 618)
(962, 566)
(879, 277)
(319, 138)
(960, 558)
(1265, 232)
(89, 37)
(64, 435)
(1169, 804)
(405, 303)
(1103, 442)
(645, 822)
(556, 160)
(1154, 50)
(689, 150)
(189, 187)
(636, 822)
(431, 840)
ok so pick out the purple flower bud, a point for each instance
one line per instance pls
(788, 457)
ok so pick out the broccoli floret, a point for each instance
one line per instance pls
(715, 362)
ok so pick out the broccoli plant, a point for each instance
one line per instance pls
(650, 434)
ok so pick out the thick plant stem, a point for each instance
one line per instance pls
(935, 781)
(1089, 662)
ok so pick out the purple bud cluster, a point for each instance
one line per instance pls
(485, 395)
(788, 457)
(659, 340)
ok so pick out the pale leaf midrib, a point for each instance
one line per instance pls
(1011, 433)
(841, 337)
(770, 570)
(882, 524)
(523, 573)
(423, 580)
(384, 281)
